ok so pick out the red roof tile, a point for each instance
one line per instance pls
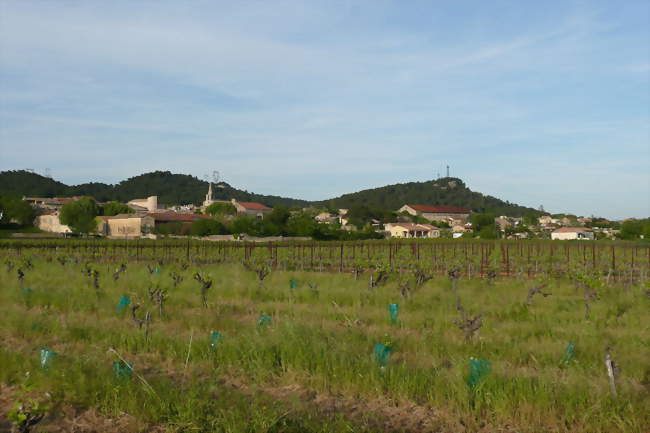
(52, 200)
(572, 230)
(172, 216)
(412, 226)
(253, 205)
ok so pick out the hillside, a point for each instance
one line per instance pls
(444, 191)
(170, 189)
(182, 189)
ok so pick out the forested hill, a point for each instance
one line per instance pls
(170, 189)
(183, 189)
(444, 191)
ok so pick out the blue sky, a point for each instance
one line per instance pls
(538, 103)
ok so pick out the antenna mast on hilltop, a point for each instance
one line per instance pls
(216, 177)
(447, 171)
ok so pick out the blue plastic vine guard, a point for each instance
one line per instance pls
(382, 354)
(393, 310)
(47, 357)
(478, 369)
(569, 353)
(122, 370)
(264, 320)
(124, 302)
(215, 337)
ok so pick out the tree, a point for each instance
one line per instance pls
(302, 225)
(487, 232)
(80, 215)
(115, 208)
(243, 224)
(221, 209)
(278, 216)
(441, 224)
(207, 227)
(482, 220)
(635, 228)
(16, 210)
(530, 219)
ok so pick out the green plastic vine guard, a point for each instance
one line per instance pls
(381, 354)
(122, 370)
(293, 284)
(478, 369)
(47, 357)
(215, 337)
(27, 292)
(124, 302)
(264, 320)
(156, 271)
(569, 353)
(393, 310)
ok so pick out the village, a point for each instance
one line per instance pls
(147, 218)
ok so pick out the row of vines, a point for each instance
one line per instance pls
(486, 259)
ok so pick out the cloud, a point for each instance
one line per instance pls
(359, 94)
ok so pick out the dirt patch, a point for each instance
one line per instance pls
(375, 414)
(69, 419)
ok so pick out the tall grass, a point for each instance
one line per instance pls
(321, 341)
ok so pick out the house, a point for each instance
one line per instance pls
(569, 233)
(49, 222)
(257, 210)
(149, 204)
(503, 222)
(343, 217)
(125, 226)
(326, 218)
(411, 230)
(546, 220)
(170, 217)
(436, 213)
(54, 203)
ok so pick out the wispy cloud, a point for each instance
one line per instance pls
(279, 96)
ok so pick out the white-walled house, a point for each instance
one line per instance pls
(410, 230)
(49, 222)
(149, 204)
(572, 233)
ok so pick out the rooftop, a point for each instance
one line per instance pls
(412, 226)
(172, 216)
(253, 205)
(572, 230)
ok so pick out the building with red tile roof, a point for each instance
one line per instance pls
(436, 213)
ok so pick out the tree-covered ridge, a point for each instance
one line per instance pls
(174, 189)
(445, 191)
(20, 183)
(170, 188)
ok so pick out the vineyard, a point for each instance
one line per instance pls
(621, 260)
(422, 336)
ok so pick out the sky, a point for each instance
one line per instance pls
(538, 103)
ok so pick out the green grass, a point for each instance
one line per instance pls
(320, 344)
